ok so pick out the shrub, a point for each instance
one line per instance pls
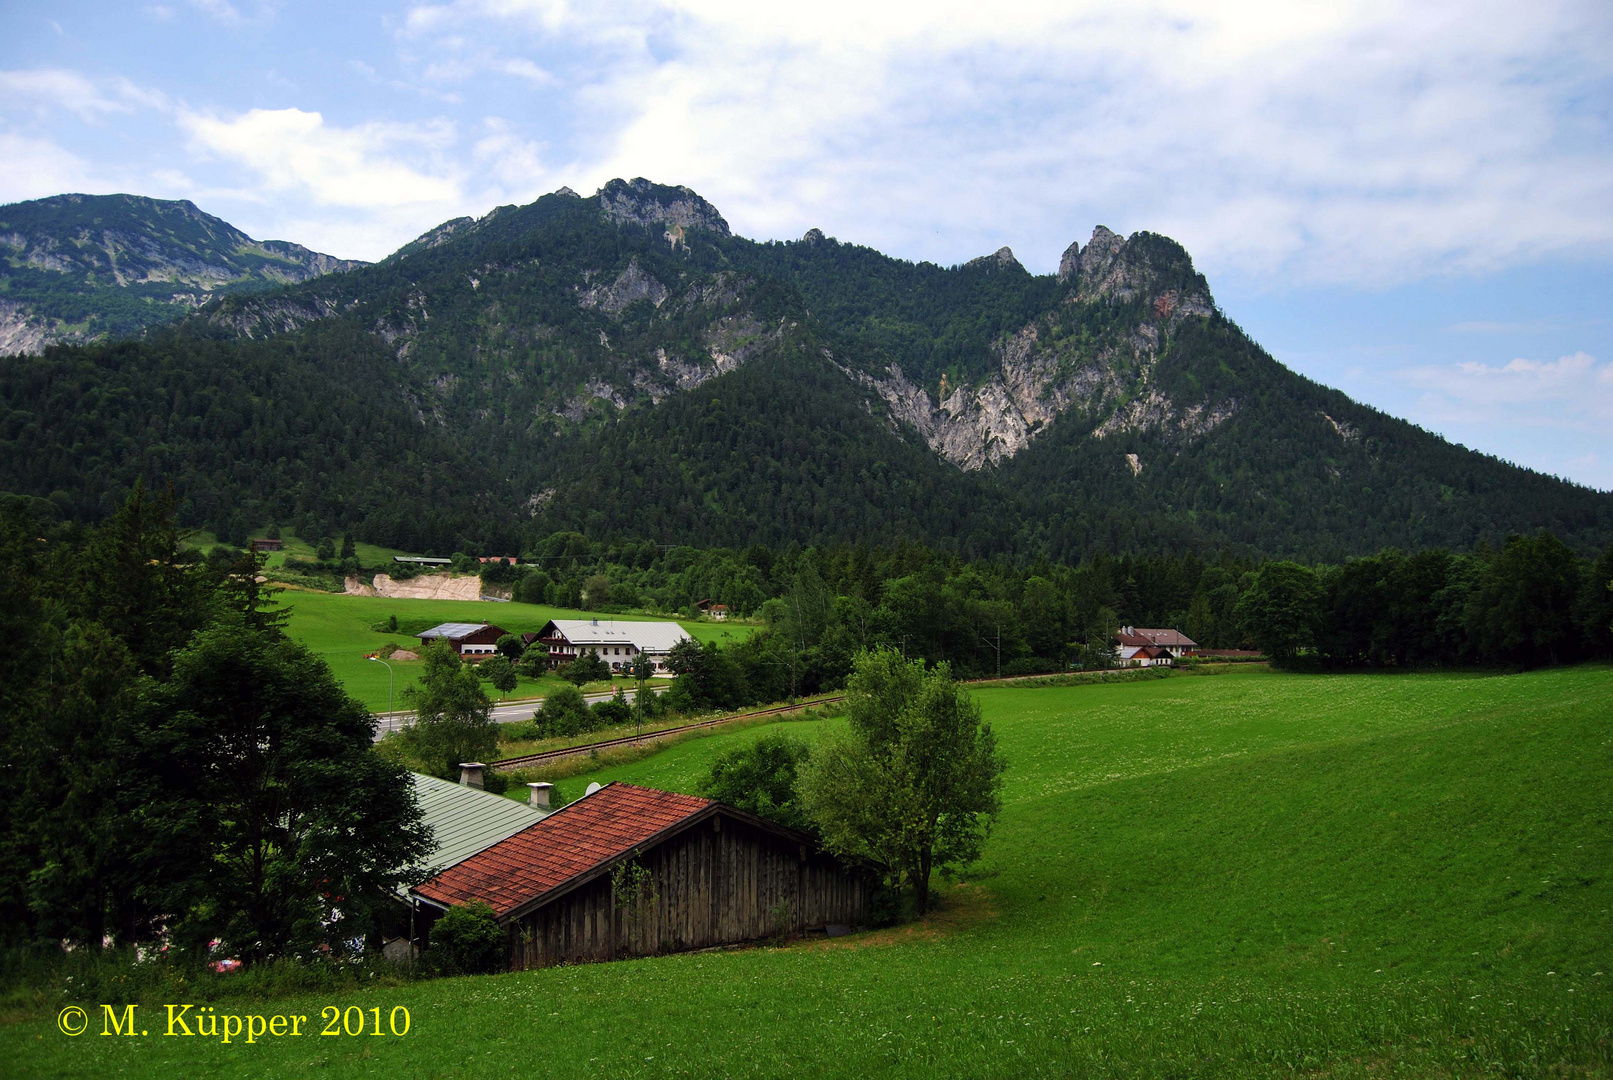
(499, 671)
(760, 779)
(564, 713)
(520, 731)
(588, 667)
(614, 711)
(468, 940)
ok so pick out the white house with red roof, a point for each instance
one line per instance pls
(1143, 647)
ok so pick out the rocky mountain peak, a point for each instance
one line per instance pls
(68, 256)
(1117, 269)
(1000, 259)
(1100, 253)
(640, 202)
(567, 192)
(813, 236)
(1070, 263)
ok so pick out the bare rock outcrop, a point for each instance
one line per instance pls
(1001, 259)
(630, 286)
(1040, 377)
(640, 202)
(24, 333)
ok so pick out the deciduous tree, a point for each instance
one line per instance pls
(453, 717)
(267, 821)
(915, 783)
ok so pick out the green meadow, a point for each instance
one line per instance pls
(1245, 875)
(338, 628)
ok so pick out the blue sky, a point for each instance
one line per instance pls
(1412, 202)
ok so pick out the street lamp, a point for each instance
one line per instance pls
(388, 667)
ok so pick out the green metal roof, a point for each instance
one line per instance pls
(466, 821)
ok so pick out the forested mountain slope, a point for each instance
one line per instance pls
(625, 366)
(82, 267)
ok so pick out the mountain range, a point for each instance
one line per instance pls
(624, 365)
(81, 268)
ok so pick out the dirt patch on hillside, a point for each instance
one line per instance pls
(425, 587)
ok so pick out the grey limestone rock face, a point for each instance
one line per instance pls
(640, 202)
(23, 333)
(1002, 258)
(813, 236)
(1070, 262)
(1039, 379)
(263, 318)
(630, 286)
(1100, 254)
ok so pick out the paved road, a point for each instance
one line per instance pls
(505, 713)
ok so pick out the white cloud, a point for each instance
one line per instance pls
(364, 190)
(36, 168)
(292, 151)
(1572, 392)
(45, 89)
(1364, 143)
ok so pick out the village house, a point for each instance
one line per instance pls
(268, 544)
(711, 609)
(464, 820)
(470, 640)
(1144, 647)
(632, 871)
(616, 643)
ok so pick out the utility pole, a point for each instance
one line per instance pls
(998, 646)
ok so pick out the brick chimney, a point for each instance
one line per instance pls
(538, 798)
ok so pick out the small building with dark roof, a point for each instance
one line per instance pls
(467, 639)
(632, 871)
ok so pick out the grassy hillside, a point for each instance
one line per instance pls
(337, 628)
(1241, 875)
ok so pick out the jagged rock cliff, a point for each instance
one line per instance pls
(1041, 374)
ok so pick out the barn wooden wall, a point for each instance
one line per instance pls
(711, 886)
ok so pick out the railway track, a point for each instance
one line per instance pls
(629, 740)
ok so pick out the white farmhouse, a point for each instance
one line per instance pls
(616, 643)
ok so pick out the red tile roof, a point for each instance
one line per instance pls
(591, 831)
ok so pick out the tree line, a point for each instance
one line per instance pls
(1528, 601)
(175, 766)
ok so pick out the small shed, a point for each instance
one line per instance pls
(265, 543)
(632, 871)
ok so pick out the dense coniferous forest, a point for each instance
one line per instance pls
(174, 764)
(623, 367)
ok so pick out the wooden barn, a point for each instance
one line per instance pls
(632, 871)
